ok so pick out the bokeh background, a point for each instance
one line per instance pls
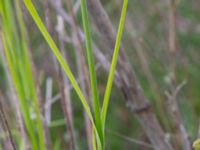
(146, 41)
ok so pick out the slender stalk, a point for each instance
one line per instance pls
(178, 122)
(15, 101)
(65, 90)
(6, 125)
(128, 82)
(30, 78)
(16, 54)
(91, 63)
(172, 39)
(24, 108)
(113, 64)
(82, 68)
(59, 57)
(140, 46)
(63, 82)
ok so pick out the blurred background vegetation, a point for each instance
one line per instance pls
(147, 25)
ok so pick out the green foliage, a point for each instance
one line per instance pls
(99, 123)
(91, 63)
(113, 64)
(196, 144)
(16, 51)
(150, 30)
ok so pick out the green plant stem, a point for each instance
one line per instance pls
(91, 63)
(30, 78)
(30, 7)
(24, 107)
(13, 51)
(113, 64)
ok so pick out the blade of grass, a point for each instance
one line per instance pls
(15, 46)
(94, 144)
(91, 63)
(8, 35)
(30, 77)
(30, 7)
(113, 64)
(24, 107)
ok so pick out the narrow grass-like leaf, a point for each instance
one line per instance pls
(94, 144)
(91, 63)
(11, 48)
(29, 5)
(23, 105)
(113, 64)
(30, 77)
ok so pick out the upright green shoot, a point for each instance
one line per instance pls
(16, 51)
(29, 5)
(113, 64)
(99, 115)
(91, 63)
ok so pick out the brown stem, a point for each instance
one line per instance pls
(82, 69)
(182, 135)
(143, 58)
(63, 82)
(126, 79)
(175, 112)
(5, 124)
(172, 39)
(129, 82)
(65, 89)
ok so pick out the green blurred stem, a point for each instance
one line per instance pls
(91, 63)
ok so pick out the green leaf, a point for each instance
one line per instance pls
(113, 64)
(91, 63)
(29, 5)
(16, 57)
(196, 144)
